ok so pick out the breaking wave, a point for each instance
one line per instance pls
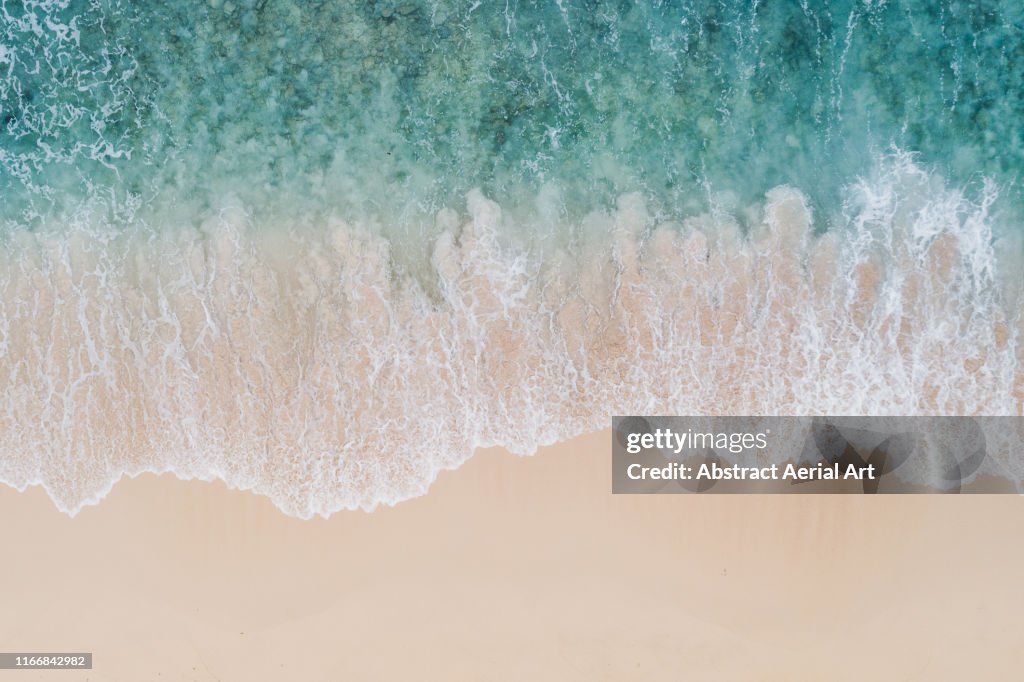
(305, 363)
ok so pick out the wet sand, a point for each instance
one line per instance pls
(517, 568)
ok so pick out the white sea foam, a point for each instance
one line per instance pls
(303, 365)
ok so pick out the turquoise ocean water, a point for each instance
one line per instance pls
(323, 250)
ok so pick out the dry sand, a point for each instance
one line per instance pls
(518, 569)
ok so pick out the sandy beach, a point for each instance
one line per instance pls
(517, 568)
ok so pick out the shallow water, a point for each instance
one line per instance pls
(323, 250)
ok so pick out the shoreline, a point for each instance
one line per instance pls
(335, 385)
(514, 567)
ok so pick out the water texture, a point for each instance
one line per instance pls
(324, 250)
